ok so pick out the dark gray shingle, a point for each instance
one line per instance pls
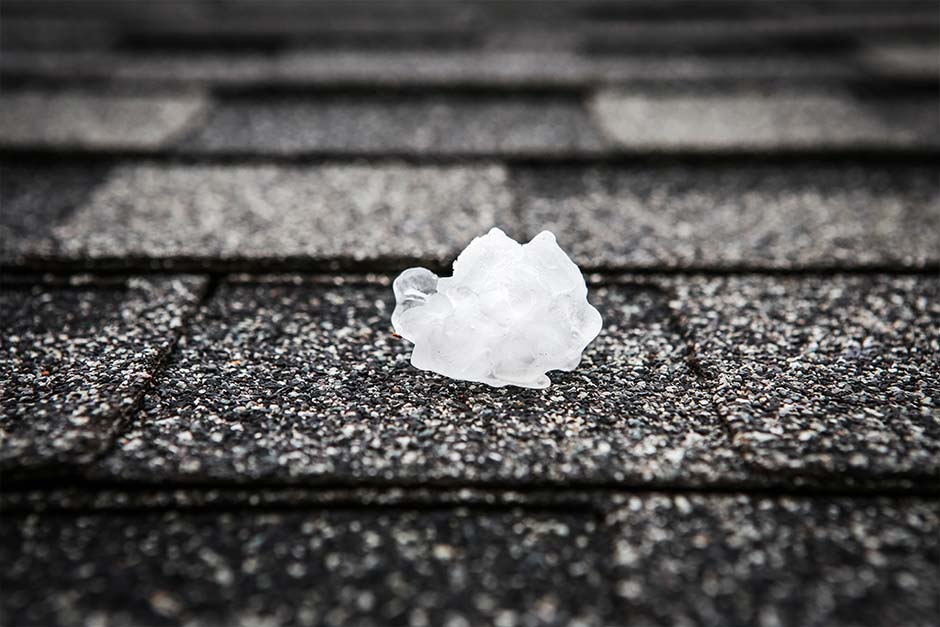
(830, 375)
(219, 214)
(765, 121)
(75, 359)
(750, 560)
(425, 125)
(776, 216)
(95, 121)
(34, 198)
(300, 382)
(425, 567)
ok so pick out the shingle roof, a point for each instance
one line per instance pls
(205, 417)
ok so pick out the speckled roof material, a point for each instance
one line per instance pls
(205, 417)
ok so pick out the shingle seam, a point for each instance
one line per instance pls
(583, 508)
(699, 370)
(92, 498)
(125, 418)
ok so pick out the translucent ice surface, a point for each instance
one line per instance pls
(510, 313)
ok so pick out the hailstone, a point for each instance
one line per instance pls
(510, 313)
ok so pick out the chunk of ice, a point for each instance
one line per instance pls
(510, 313)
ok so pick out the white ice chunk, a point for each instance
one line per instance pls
(510, 313)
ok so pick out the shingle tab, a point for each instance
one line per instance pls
(385, 567)
(54, 33)
(751, 560)
(906, 61)
(160, 69)
(75, 359)
(511, 69)
(814, 32)
(301, 382)
(655, 559)
(224, 213)
(780, 216)
(828, 375)
(94, 121)
(461, 68)
(33, 198)
(765, 121)
(426, 125)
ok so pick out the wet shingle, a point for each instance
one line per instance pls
(746, 560)
(781, 216)
(75, 359)
(219, 214)
(828, 375)
(765, 121)
(305, 382)
(426, 125)
(427, 567)
(94, 121)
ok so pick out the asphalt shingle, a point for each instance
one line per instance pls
(466, 68)
(33, 198)
(391, 567)
(830, 375)
(54, 33)
(221, 214)
(301, 382)
(813, 33)
(779, 216)
(126, 67)
(76, 358)
(392, 69)
(916, 61)
(764, 121)
(426, 125)
(756, 445)
(746, 560)
(679, 559)
(95, 121)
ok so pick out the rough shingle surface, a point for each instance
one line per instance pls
(745, 560)
(738, 216)
(75, 359)
(305, 382)
(652, 559)
(751, 189)
(391, 567)
(224, 213)
(428, 125)
(834, 375)
(764, 121)
(87, 120)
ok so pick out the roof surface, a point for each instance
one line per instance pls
(206, 419)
